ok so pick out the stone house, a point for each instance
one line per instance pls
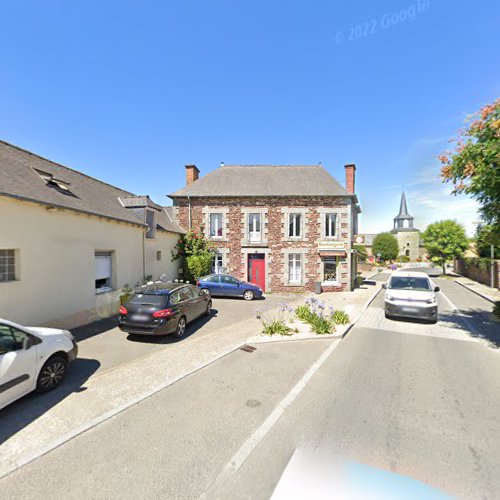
(284, 228)
(69, 242)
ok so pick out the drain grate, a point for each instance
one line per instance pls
(247, 348)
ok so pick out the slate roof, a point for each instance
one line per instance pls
(264, 180)
(27, 176)
(403, 209)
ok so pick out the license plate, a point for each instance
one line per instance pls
(410, 309)
(139, 317)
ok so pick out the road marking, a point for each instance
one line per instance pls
(454, 308)
(247, 448)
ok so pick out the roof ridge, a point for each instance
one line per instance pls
(269, 165)
(64, 166)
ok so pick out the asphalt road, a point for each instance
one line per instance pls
(420, 400)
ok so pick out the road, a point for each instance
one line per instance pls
(420, 400)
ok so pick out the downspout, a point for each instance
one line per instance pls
(143, 253)
(189, 213)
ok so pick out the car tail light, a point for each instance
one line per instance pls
(123, 310)
(198, 283)
(163, 313)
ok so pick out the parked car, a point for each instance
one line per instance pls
(228, 286)
(32, 358)
(163, 310)
(411, 294)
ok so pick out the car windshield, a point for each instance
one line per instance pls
(148, 299)
(409, 283)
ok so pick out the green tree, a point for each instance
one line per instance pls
(362, 253)
(474, 166)
(445, 240)
(196, 252)
(386, 245)
(485, 237)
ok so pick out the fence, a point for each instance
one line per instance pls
(478, 269)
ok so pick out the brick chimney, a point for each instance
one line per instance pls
(192, 174)
(350, 178)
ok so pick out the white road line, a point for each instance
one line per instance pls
(247, 448)
(454, 308)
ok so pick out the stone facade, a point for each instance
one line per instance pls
(409, 243)
(275, 245)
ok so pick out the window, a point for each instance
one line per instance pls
(185, 295)
(7, 265)
(151, 222)
(294, 221)
(213, 279)
(295, 268)
(158, 255)
(254, 228)
(217, 264)
(175, 298)
(330, 270)
(330, 225)
(229, 281)
(216, 225)
(103, 272)
(11, 339)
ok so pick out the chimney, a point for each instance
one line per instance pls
(192, 174)
(350, 177)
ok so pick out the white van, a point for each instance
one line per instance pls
(32, 358)
(411, 294)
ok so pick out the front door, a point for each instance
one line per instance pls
(257, 270)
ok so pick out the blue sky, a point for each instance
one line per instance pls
(129, 92)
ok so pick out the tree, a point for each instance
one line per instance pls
(196, 252)
(362, 253)
(386, 245)
(485, 237)
(474, 166)
(445, 240)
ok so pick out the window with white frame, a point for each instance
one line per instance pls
(254, 228)
(330, 225)
(217, 264)
(330, 269)
(216, 225)
(103, 271)
(151, 222)
(295, 268)
(7, 265)
(294, 225)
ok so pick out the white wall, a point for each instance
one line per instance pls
(56, 263)
(165, 243)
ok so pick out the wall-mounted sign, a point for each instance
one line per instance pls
(331, 245)
(359, 239)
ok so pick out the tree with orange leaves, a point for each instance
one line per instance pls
(474, 166)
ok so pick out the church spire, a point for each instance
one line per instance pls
(399, 220)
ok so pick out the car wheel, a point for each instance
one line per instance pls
(205, 290)
(181, 327)
(248, 295)
(209, 308)
(52, 374)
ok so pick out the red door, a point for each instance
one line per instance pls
(257, 271)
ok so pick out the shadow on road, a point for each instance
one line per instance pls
(191, 329)
(24, 411)
(485, 326)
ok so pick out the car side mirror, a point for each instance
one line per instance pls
(384, 285)
(437, 289)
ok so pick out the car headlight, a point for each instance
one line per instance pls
(389, 297)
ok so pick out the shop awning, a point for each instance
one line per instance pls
(332, 253)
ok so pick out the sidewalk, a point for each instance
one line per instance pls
(488, 293)
(116, 390)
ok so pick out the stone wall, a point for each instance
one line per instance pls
(276, 244)
(473, 269)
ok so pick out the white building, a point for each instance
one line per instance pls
(69, 242)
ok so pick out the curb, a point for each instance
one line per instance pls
(489, 299)
(365, 307)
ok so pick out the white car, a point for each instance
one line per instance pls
(32, 358)
(411, 294)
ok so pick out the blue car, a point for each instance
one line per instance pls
(228, 286)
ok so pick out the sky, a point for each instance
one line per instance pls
(130, 92)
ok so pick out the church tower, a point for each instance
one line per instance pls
(408, 236)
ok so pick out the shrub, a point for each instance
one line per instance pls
(340, 317)
(403, 258)
(127, 292)
(321, 325)
(303, 313)
(275, 327)
(275, 322)
(312, 313)
(386, 245)
(198, 265)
